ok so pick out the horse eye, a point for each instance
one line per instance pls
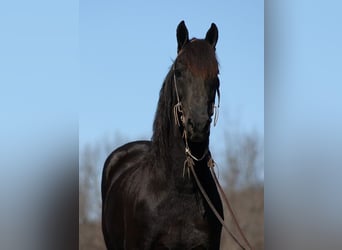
(178, 73)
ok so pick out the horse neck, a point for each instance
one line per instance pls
(168, 143)
(170, 151)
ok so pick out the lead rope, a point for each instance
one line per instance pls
(189, 164)
(211, 165)
(218, 216)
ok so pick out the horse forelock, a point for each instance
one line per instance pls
(200, 58)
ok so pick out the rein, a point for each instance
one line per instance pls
(189, 164)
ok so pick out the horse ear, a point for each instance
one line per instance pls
(212, 35)
(182, 35)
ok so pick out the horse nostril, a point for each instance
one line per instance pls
(190, 123)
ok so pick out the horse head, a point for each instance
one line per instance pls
(196, 83)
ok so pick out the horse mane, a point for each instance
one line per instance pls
(162, 125)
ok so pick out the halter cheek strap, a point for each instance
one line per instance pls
(178, 106)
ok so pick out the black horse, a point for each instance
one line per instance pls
(150, 200)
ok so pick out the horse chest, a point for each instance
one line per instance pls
(182, 223)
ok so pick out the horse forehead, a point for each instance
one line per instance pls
(200, 58)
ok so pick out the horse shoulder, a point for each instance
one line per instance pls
(121, 160)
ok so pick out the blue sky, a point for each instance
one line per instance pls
(39, 75)
(126, 50)
(95, 68)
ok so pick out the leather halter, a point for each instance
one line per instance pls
(178, 106)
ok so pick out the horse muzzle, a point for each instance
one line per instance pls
(198, 131)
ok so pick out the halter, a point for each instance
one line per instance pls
(178, 106)
(189, 164)
(190, 158)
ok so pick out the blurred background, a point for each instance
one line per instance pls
(126, 50)
(68, 67)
